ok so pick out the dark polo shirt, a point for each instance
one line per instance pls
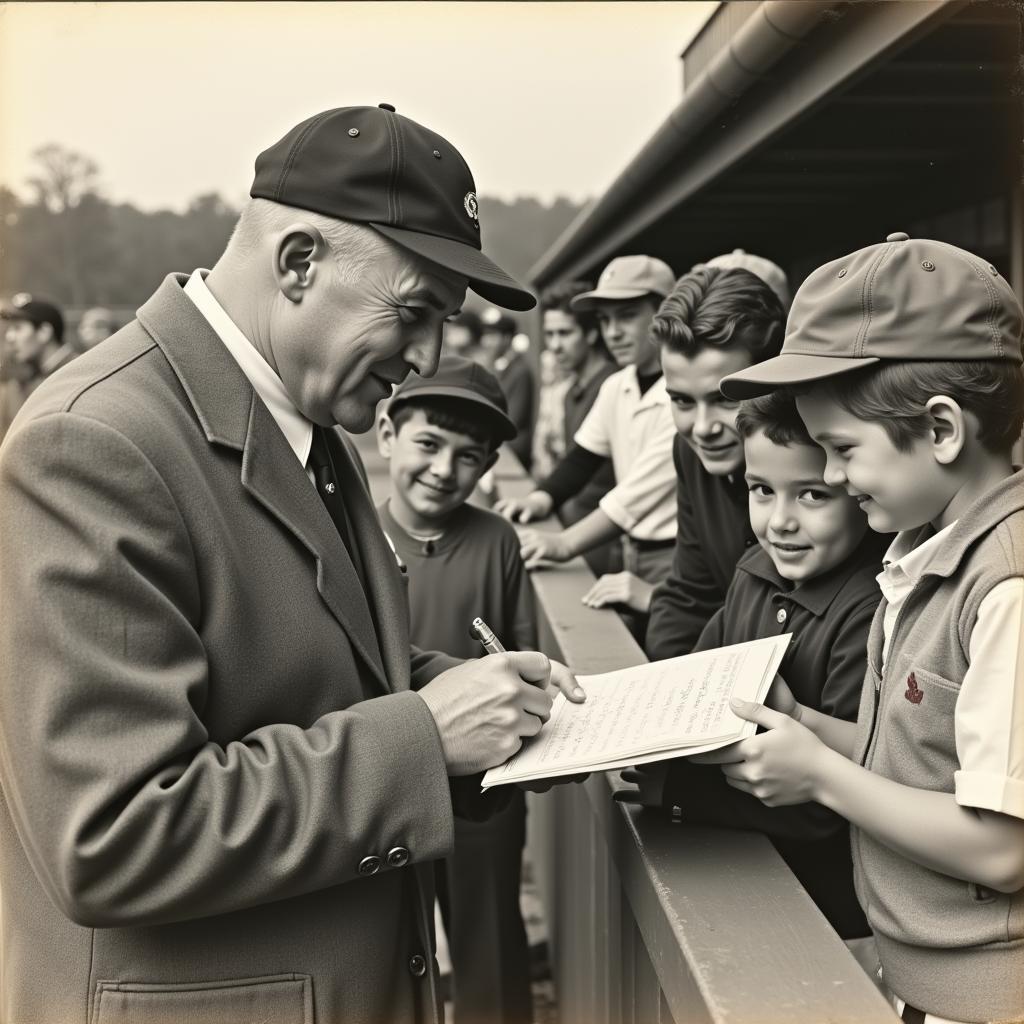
(713, 531)
(829, 617)
(578, 400)
(516, 380)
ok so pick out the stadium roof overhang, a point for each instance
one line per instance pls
(820, 127)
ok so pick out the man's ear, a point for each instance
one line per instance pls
(298, 251)
(385, 435)
(948, 428)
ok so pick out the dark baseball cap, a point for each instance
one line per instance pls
(902, 299)
(373, 166)
(36, 311)
(467, 381)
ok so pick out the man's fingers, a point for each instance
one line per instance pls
(530, 666)
(529, 724)
(535, 701)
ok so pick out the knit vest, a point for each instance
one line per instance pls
(947, 946)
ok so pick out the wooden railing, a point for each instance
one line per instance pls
(651, 922)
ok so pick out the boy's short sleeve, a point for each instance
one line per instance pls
(595, 430)
(989, 720)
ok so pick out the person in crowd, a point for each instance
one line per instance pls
(630, 424)
(714, 322)
(574, 339)
(905, 357)
(95, 325)
(462, 334)
(811, 574)
(225, 774)
(549, 426)
(35, 348)
(439, 435)
(771, 273)
(514, 375)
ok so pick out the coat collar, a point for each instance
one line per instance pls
(232, 415)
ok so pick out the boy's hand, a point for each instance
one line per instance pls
(536, 505)
(780, 698)
(620, 588)
(539, 547)
(779, 766)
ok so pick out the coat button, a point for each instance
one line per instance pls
(369, 866)
(329, 487)
(780, 615)
(417, 966)
(398, 857)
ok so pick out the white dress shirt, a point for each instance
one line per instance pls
(988, 720)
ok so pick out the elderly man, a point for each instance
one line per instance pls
(224, 777)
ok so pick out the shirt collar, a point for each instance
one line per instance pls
(817, 594)
(654, 395)
(297, 430)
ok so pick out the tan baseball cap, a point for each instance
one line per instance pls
(771, 273)
(628, 277)
(902, 299)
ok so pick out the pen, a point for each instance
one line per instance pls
(484, 633)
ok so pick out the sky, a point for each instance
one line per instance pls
(173, 100)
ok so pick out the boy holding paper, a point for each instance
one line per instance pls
(812, 575)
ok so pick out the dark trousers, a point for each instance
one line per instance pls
(478, 890)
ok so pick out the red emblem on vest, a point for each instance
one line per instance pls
(913, 692)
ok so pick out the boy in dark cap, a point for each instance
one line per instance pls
(905, 358)
(440, 435)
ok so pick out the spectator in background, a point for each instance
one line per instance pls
(771, 273)
(549, 427)
(462, 336)
(34, 349)
(574, 338)
(96, 324)
(514, 376)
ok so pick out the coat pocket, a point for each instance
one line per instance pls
(275, 999)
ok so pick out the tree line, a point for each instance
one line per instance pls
(67, 242)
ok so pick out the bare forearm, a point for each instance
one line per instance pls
(929, 828)
(835, 733)
(594, 529)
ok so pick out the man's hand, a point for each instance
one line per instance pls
(780, 766)
(536, 548)
(646, 784)
(536, 505)
(484, 708)
(620, 588)
(544, 785)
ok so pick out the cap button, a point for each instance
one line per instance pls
(386, 106)
(898, 236)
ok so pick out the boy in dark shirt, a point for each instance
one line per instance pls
(714, 319)
(812, 575)
(440, 435)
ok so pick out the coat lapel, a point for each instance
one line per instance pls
(232, 415)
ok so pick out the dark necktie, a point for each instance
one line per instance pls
(327, 486)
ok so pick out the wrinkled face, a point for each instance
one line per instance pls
(26, 341)
(702, 414)
(566, 340)
(342, 348)
(805, 526)
(898, 490)
(625, 328)
(433, 471)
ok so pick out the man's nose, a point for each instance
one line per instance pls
(424, 354)
(612, 328)
(704, 422)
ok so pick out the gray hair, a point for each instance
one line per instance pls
(354, 247)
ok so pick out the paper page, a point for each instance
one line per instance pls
(648, 712)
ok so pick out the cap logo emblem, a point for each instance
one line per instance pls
(471, 205)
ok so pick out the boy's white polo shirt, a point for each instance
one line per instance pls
(636, 432)
(988, 721)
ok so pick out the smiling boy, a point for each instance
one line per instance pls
(906, 358)
(812, 575)
(440, 435)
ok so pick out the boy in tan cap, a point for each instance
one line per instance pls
(906, 362)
